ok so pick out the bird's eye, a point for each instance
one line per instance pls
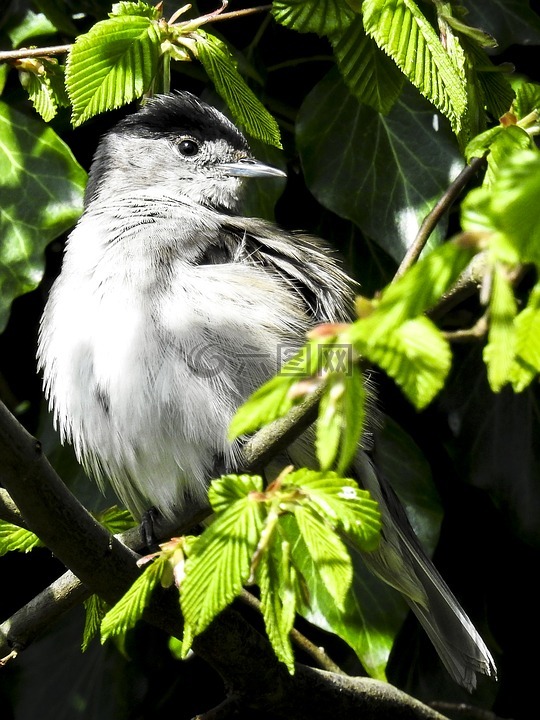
(188, 147)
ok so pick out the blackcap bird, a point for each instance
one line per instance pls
(172, 308)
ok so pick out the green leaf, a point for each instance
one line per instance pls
(116, 520)
(509, 209)
(506, 143)
(219, 563)
(13, 537)
(230, 488)
(527, 99)
(416, 355)
(274, 399)
(95, 609)
(45, 87)
(130, 608)
(527, 337)
(323, 17)
(415, 292)
(42, 188)
(275, 577)
(370, 75)
(328, 552)
(342, 504)
(403, 32)
(373, 612)
(479, 145)
(111, 65)
(394, 169)
(500, 350)
(341, 419)
(511, 22)
(246, 108)
(134, 9)
(33, 25)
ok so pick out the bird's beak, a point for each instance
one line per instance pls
(251, 168)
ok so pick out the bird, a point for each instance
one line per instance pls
(172, 308)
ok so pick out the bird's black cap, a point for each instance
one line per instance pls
(180, 113)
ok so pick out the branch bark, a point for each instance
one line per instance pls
(243, 657)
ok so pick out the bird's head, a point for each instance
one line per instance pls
(178, 145)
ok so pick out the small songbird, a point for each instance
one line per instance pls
(172, 308)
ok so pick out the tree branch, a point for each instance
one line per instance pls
(433, 217)
(243, 657)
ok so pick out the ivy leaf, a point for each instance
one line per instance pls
(379, 183)
(370, 75)
(219, 564)
(246, 108)
(111, 65)
(323, 17)
(13, 537)
(501, 347)
(42, 188)
(129, 609)
(403, 32)
(509, 21)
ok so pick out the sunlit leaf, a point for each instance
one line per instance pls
(42, 188)
(318, 16)
(111, 65)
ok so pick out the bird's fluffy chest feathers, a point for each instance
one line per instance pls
(150, 359)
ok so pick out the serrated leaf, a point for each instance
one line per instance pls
(415, 292)
(278, 602)
(509, 210)
(220, 563)
(500, 350)
(378, 183)
(42, 188)
(116, 520)
(328, 552)
(341, 419)
(416, 355)
(133, 9)
(373, 611)
(273, 399)
(527, 99)
(504, 145)
(13, 537)
(130, 608)
(246, 108)
(322, 17)
(95, 609)
(230, 488)
(369, 74)
(45, 88)
(111, 65)
(527, 324)
(343, 504)
(403, 32)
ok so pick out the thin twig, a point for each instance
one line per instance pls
(433, 217)
(6, 55)
(317, 654)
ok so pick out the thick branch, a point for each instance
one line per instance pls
(243, 658)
